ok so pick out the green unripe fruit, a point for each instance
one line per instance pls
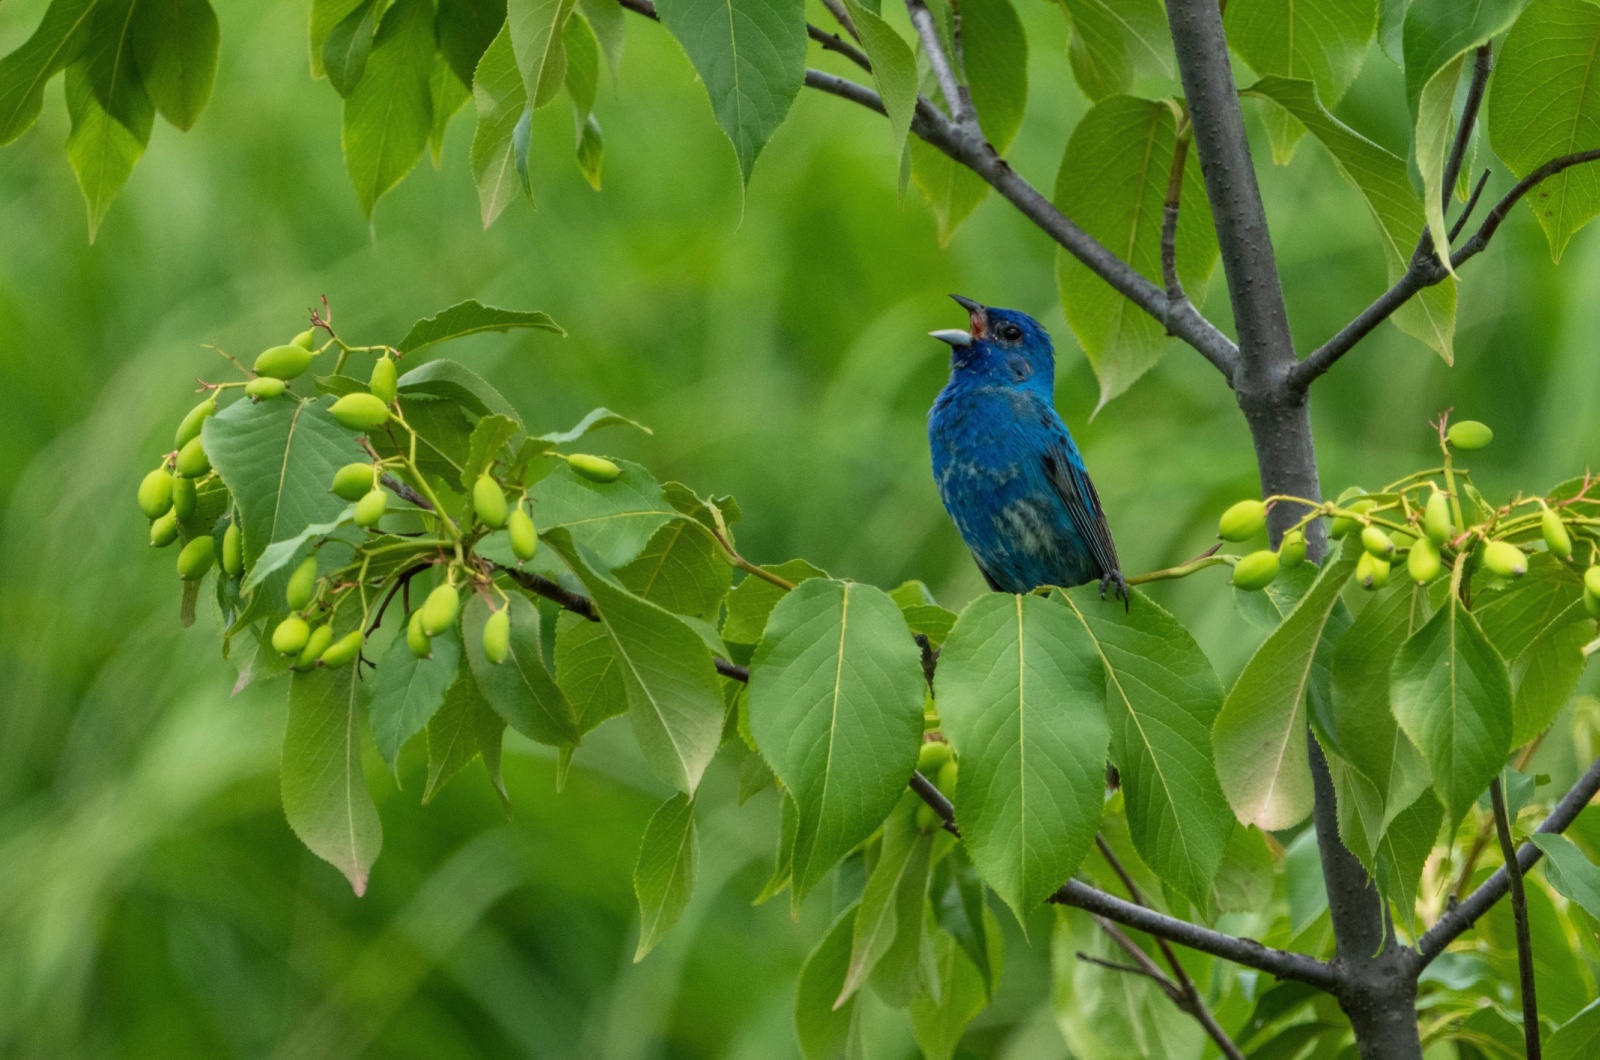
(189, 429)
(1345, 525)
(196, 558)
(192, 461)
(232, 551)
(948, 775)
(370, 509)
(524, 538)
(1423, 563)
(316, 644)
(594, 468)
(284, 362)
(306, 340)
(302, 587)
(343, 651)
(1376, 542)
(1372, 572)
(1504, 559)
(416, 639)
(360, 412)
(1292, 549)
(354, 481)
(263, 387)
(1591, 604)
(1242, 521)
(155, 494)
(1591, 581)
(1556, 537)
(1469, 435)
(926, 818)
(497, 636)
(1255, 571)
(164, 531)
(383, 379)
(489, 502)
(184, 498)
(291, 635)
(1436, 518)
(440, 609)
(933, 755)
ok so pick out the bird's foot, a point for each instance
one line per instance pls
(1118, 586)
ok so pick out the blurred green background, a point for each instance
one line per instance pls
(152, 900)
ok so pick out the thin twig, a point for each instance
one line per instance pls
(539, 585)
(1451, 925)
(836, 9)
(1152, 972)
(1176, 296)
(834, 43)
(1482, 65)
(949, 87)
(406, 492)
(1472, 204)
(1519, 915)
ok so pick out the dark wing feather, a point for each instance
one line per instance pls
(1083, 505)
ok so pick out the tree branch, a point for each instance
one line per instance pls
(836, 9)
(1519, 915)
(1463, 916)
(949, 84)
(1176, 296)
(834, 43)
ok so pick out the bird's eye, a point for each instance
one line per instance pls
(1010, 332)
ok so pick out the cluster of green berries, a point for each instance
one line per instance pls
(169, 494)
(938, 763)
(1259, 569)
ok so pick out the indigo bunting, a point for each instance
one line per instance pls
(1008, 470)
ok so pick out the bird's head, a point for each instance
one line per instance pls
(1000, 346)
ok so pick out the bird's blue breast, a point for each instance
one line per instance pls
(990, 446)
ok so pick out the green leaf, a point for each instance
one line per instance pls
(449, 95)
(325, 15)
(939, 1024)
(1434, 134)
(1450, 691)
(610, 26)
(1161, 700)
(751, 55)
(591, 150)
(280, 554)
(996, 52)
(788, 822)
(471, 318)
(463, 728)
(349, 44)
(582, 78)
(110, 110)
(682, 569)
(535, 27)
(1260, 734)
(1392, 772)
(1244, 879)
(1113, 182)
(1323, 41)
(519, 689)
(1539, 625)
(175, 44)
(465, 29)
(1576, 1039)
(278, 459)
(594, 420)
(891, 906)
(408, 691)
(500, 99)
(1381, 178)
(663, 879)
(1022, 698)
(1438, 31)
(325, 794)
(1544, 103)
(456, 382)
(961, 910)
(1570, 871)
(753, 599)
(1404, 849)
(489, 438)
(58, 41)
(674, 697)
(1115, 40)
(588, 671)
(836, 693)
(390, 113)
(894, 69)
(821, 1028)
(614, 520)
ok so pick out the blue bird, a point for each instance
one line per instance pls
(1007, 468)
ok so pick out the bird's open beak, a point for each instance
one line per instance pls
(979, 326)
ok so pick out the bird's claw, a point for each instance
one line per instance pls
(1118, 586)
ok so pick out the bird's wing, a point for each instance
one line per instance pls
(1072, 484)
